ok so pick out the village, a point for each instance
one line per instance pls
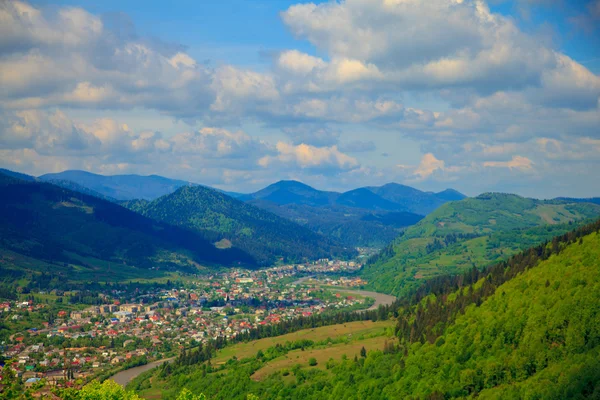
(134, 328)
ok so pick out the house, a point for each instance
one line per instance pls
(31, 381)
(117, 360)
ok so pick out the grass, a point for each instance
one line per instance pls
(322, 355)
(351, 329)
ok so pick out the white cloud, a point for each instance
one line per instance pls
(464, 83)
(428, 165)
(309, 157)
(517, 162)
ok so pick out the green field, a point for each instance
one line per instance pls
(321, 354)
(349, 330)
(239, 362)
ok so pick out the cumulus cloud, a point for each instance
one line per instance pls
(429, 164)
(35, 134)
(68, 57)
(517, 162)
(309, 157)
(501, 100)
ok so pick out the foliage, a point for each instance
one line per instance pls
(110, 390)
(107, 390)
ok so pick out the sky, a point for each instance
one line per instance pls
(473, 95)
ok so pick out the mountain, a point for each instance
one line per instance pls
(48, 228)
(81, 189)
(292, 192)
(470, 232)
(231, 222)
(366, 199)
(120, 187)
(414, 200)
(17, 175)
(524, 328)
(391, 196)
(363, 217)
(450, 195)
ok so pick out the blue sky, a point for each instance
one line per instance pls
(498, 96)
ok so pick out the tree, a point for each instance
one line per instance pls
(312, 361)
(187, 394)
(363, 352)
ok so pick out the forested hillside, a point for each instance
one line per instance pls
(473, 232)
(524, 328)
(232, 223)
(44, 227)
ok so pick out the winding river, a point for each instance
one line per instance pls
(380, 298)
(124, 377)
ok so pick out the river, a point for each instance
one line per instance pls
(380, 298)
(124, 377)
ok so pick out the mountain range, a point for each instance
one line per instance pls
(67, 228)
(389, 197)
(47, 228)
(120, 187)
(363, 217)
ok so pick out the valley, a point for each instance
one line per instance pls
(300, 200)
(198, 290)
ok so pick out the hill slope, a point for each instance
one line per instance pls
(525, 328)
(221, 218)
(120, 187)
(43, 226)
(471, 232)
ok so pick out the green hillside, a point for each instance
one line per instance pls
(526, 328)
(472, 232)
(50, 229)
(233, 223)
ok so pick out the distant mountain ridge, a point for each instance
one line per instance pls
(120, 187)
(364, 217)
(391, 196)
